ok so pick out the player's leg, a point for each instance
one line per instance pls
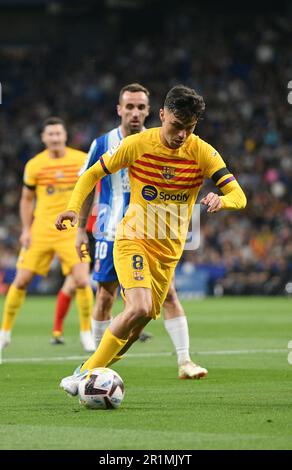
(13, 302)
(102, 317)
(139, 274)
(105, 274)
(64, 297)
(102, 311)
(65, 250)
(176, 324)
(136, 314)
(34, 260)
(133, 269)
(134, 336)
(84, 300)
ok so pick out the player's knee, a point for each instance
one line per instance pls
(22, 281)
(171, 296)
(140, 311)
(69, 286)
(81, 282)
(105, 300)
(22, 284)
(70, 291)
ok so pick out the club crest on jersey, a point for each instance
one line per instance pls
(50, 189)
(138, 276)
(168, 172)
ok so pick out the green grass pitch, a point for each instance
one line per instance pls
(244, 403)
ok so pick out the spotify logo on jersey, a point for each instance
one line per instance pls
(149, 193)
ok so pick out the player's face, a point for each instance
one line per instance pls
(174, 132)
(133, 110)
(54, 137)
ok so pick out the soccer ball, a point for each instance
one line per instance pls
(100, 389)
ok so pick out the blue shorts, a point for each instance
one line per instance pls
(104, 269)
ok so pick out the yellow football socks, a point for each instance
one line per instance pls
(14, 299)
(115, 359)
(108, 349)
(84, 300)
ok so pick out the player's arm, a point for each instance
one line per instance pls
(27, 202)
(26, 209)
(85, 209)
(83, 188)
(92, 158)
(233, 196)
(110, 162)
(82, 241)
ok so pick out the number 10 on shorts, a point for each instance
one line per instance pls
(101, 250)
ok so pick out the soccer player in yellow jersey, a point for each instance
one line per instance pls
(167, 166)
(133, 108)
(49, 179)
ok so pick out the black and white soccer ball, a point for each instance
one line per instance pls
(101, 389)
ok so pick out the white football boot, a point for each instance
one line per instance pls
(189, 370)
(87, 341)
(70, 383)
(5, 339)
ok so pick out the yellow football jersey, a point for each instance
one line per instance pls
(53, 179)
(164, 187)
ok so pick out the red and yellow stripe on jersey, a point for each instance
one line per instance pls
(164, 187)
(53, 179)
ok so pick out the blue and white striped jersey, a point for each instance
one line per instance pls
(114, 194)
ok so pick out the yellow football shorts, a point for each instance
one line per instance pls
(137, 267)
(38, 257)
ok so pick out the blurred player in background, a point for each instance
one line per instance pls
(133, 108)
(49, 179)
(68, 290)
(145, 264)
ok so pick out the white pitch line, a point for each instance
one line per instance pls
(149, 354)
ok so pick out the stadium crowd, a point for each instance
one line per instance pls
(243, 74)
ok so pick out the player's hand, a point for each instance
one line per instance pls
(213, 202)
(67, 215)
(82, 243)
(25, 238)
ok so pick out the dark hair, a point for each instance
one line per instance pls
(133, 88)
(184, 103)
(51, 121)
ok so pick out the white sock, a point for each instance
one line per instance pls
(178, 330)
(98, 328)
